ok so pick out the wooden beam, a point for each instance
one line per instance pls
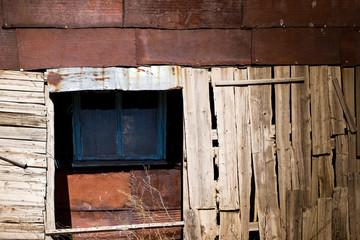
(16, 163)
(348, 116)
(260, 81)
(129, 227)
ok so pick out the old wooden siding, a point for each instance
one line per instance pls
(315, 168)
(22, 139)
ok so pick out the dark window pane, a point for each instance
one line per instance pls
(139, 131)
(98, 125)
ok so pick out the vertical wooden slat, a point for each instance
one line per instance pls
(50, 173)
(197, 119)
(342, 161)
(294, 214)
(349, 95)
(230, 226)
(282, 136)
(208, 224)
(325, 175)
(314, 190)
(301, 128)
(185, 183)
(192, 225)
(320, 110)
(310, 226)
(262, 147)
(336, 113)
(357, 89)
(243, 150)
(340, 215)
(225, 112)
(324, 219)
(354, 204)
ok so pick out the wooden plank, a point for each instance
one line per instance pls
(35, 109)
(183, 14)
(185, 181)
(262, 142)
(325, 175)
(9, 58)
(192, 225)
(79, 14)
(208, 224)
(282, 136)
(266, 14)
(53, 48)
(320, 110)
(230, 226)
(348, 115)
(353, 203)
(301, 129)
(178, 47)
(324, 220)
(23, 75)
(8, 186)
(226, 127)
(243, 150)
(197, 117)
(23, 146)
(349, 43)
(340, 214)
(20, 85)
(294, 214)
(21, 227)
(50, 164)
(357, 89)
(310, 226)
(19, 119)
(21, 97)
(342, 160)
(280, 47)
(21, 235)
(336, 113)
(31, 160)
(33, 134)
(242, 82)
(114, 78)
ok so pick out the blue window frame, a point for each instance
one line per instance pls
(119, 128)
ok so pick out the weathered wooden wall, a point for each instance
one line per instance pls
(47, 34)
(295, 141)
(23, 139)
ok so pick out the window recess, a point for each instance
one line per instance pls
(119, 128)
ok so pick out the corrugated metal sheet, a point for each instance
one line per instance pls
(114, 78)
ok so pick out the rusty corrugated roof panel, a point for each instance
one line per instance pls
(114, 78)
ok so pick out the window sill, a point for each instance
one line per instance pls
(115, 163)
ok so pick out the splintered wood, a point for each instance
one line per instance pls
(22, 140)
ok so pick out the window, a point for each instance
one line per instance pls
(112, 128)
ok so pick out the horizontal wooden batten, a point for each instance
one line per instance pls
(297, 46)
(23, 133)
(299, 13)
(22, 119)
(53, 48)
(183, 14)
(142, 78)
(194, 47)
(260, 81)
(63, 14)
(117, 228)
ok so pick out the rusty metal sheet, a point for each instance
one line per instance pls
(194, 47)
(350, 48)
(63, 14)
(181, 14)
(114, 78)
(8, 50)
(300, 13)
(53, 48)
(99, 191)
(296, 46)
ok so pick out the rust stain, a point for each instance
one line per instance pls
(54, 79)
(140, 70)
(178, 77)
(95, 74)
(101, 79)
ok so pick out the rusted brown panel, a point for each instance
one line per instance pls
(349, 48)
(183, 13)
(1, 13)
(99, 191)
(55, 48)
(157, 189)
(300, 13)
(8, 50)
(63, 14)
(194, 47)
(296, 46)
